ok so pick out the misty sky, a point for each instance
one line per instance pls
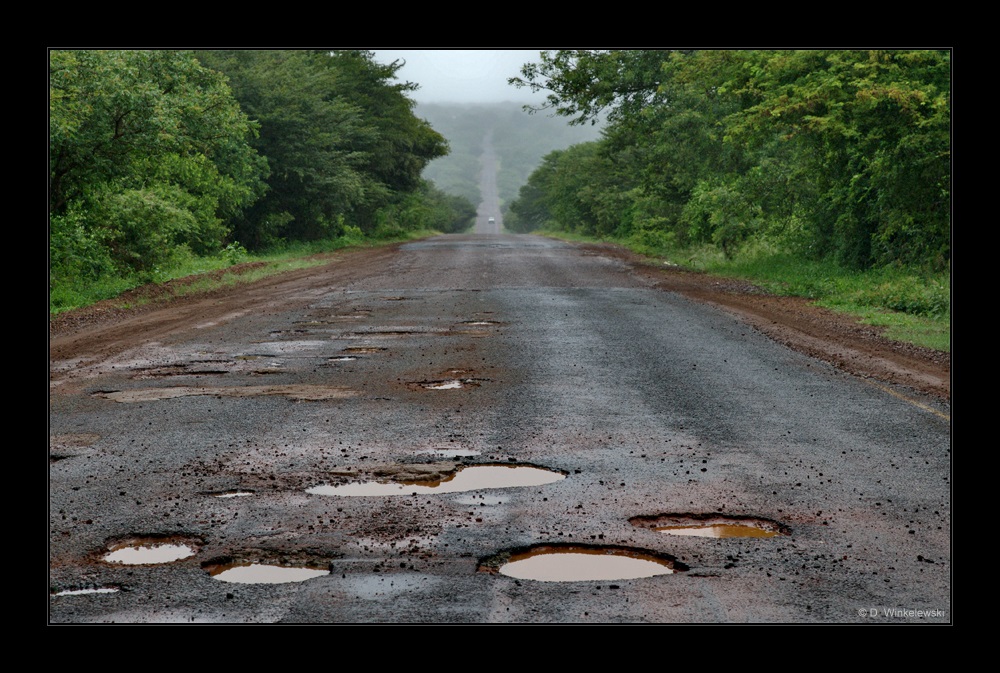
(462, 76)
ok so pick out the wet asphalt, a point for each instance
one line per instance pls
(648, 403)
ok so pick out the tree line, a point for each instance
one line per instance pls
(832, 154)
(156, 154)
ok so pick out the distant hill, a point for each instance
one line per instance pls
(519, 139)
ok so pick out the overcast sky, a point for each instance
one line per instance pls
(462, 76)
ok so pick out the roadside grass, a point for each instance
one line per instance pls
(913, 305)
(69, 294)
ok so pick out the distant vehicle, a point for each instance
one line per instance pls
(492, 220)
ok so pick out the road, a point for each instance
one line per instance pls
(484, 349)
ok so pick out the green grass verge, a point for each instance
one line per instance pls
(69, 294)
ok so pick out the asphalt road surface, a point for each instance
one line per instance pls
(225, 438)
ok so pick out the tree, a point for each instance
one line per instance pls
(148, 151)
(339, 134)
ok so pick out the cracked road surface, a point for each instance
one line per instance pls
(204, 423)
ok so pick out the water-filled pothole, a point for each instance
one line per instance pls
(579, 563)
(83, 592)
(363, 350)
(300, 392)
(148, 551)
(260, 573)
(470, 478)
(447, 384)
(711, 525)
(232, 493)
(451, 384)
(450, 453)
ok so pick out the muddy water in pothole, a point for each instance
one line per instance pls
(257, 573)
(84, 592)
(711, 525)
(717, 530)
(148, 554)
(582, 564)
(466, 479)
(443, 385)
(450, 453)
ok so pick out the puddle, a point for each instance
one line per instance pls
(567, 563)
(300, 392)
(717, 530)
(443, 385)
(231, 494)
(389, 332)
(182, 369)
(82, 592)
(343, 358)
(363, 350)
(450, 453)
(480, 323)
(446, 384)
(148, 552)
(711, 525)
(259, 573)
(471, 478)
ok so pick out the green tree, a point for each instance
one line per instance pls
(871, 131)
(339, 134)
(148, 153)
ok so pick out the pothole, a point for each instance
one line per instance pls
(390, 332)
(472, 478)
(262, 573)
(449, 384)
(711, 525)
(180, 369)
(446, 384)
(231, 493)
(343, 358)
(450, 453)
(86, 591)
(580, 563)
(299, 392)
(149, 551)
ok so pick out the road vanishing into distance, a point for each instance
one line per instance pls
(298, 453)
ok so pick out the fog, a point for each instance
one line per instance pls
(463, 75)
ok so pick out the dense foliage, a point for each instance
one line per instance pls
(826, 153)
(159, 155)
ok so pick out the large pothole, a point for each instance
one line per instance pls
(452, 379)
(263, 572)
(580, 563)
(152, 550)
(471, 478)
(711, 525)
(298, 392)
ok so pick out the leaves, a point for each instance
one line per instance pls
(841, 153)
